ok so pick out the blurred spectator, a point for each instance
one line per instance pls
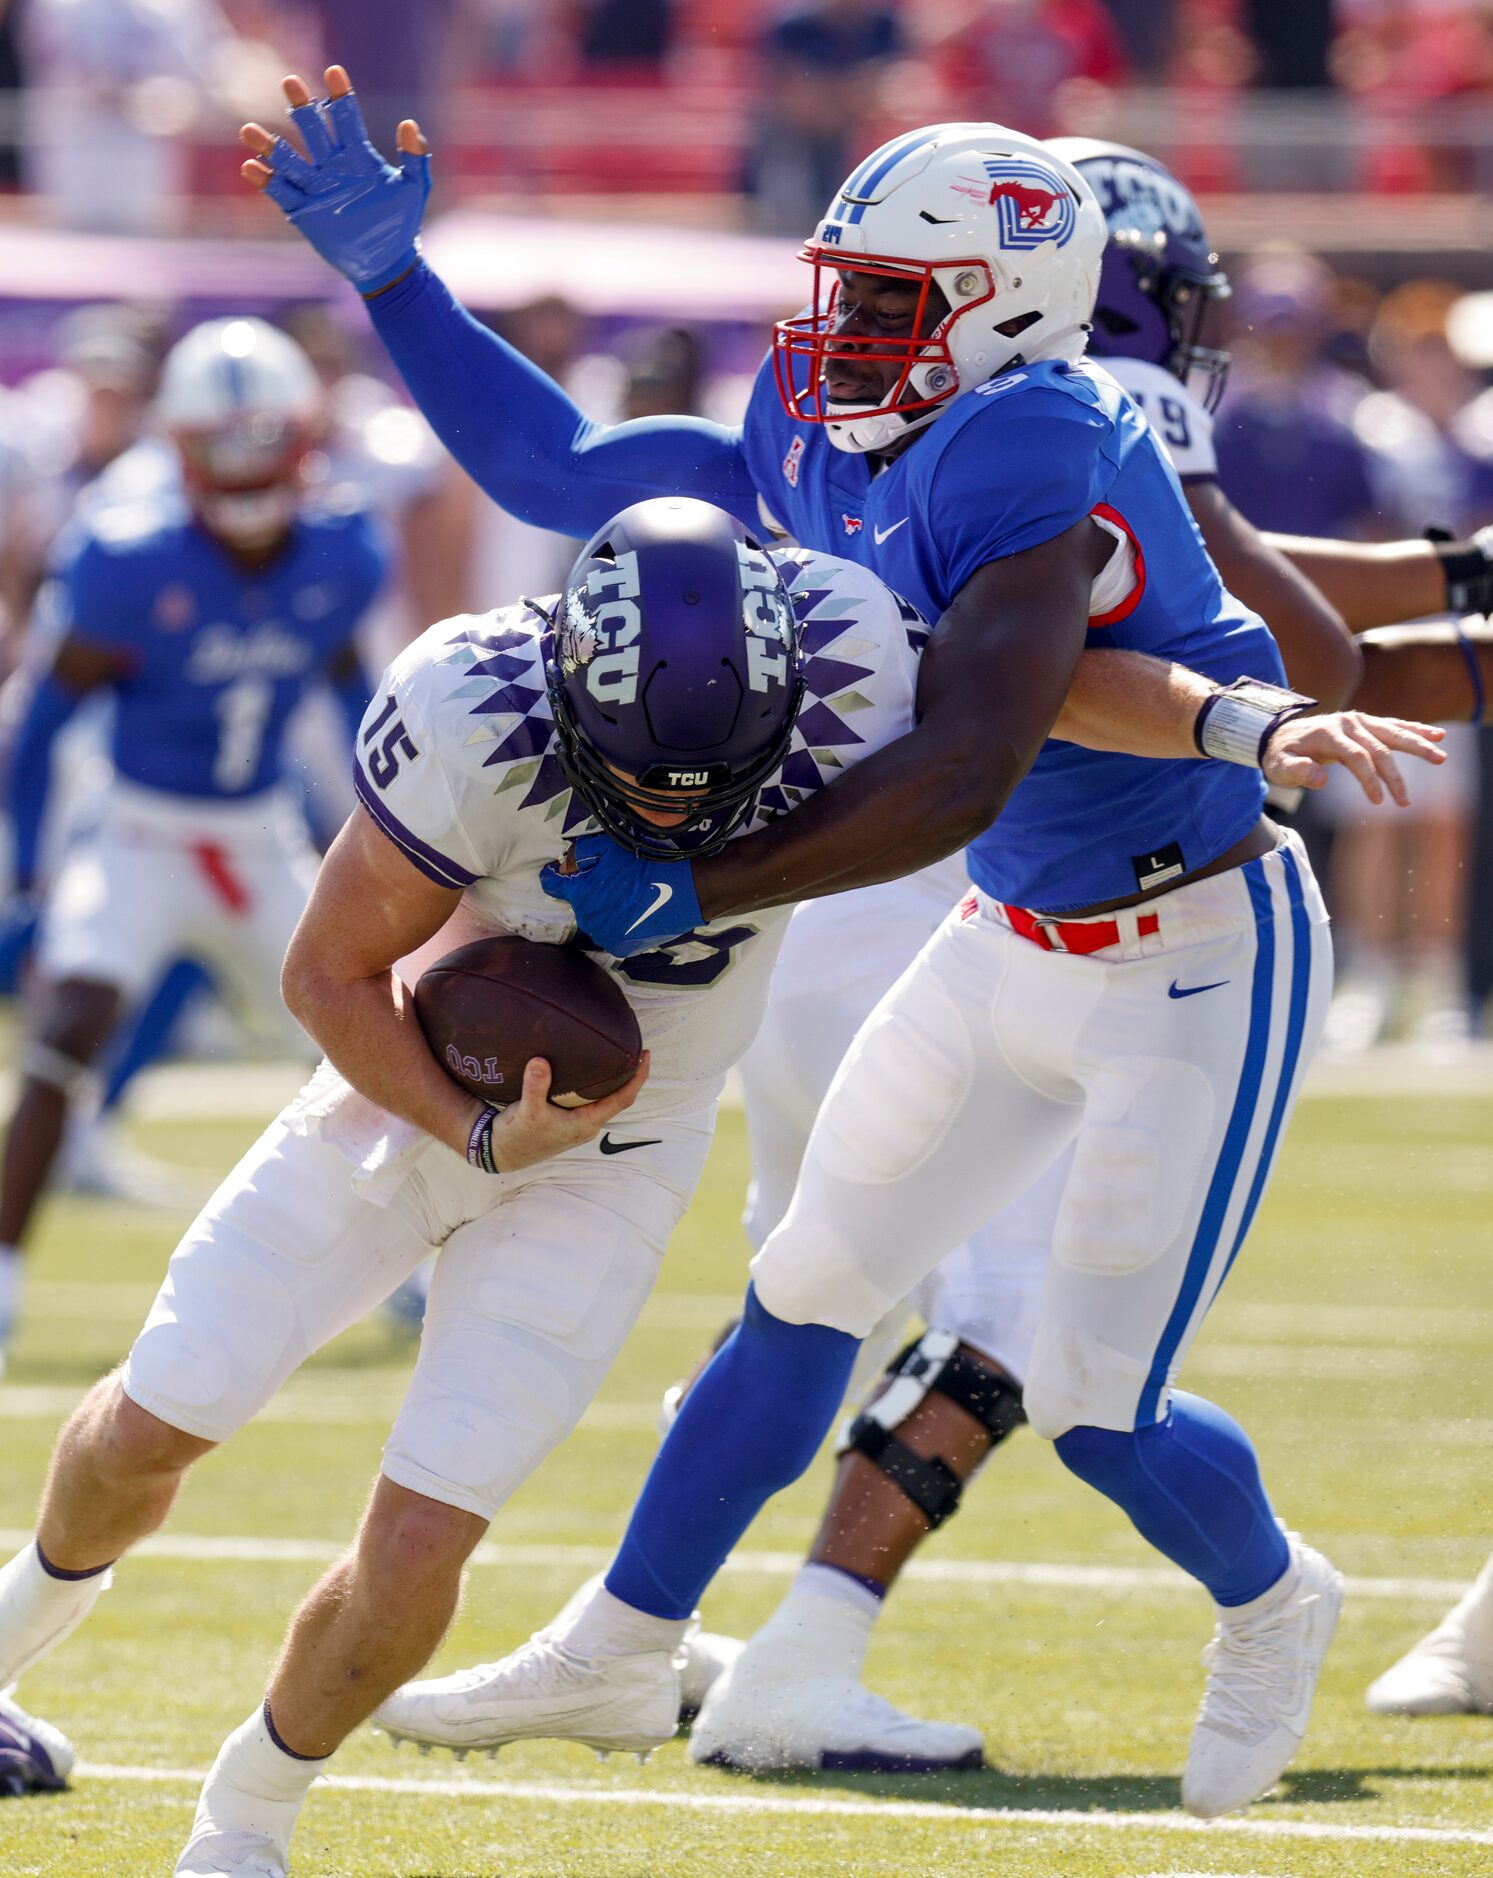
(1292, 39)
(79, 426)
(626, 38)
(10, 96)
(1034, 64)
(1148, 29)
(379, 453)
(1287, 453)
(820, 64)
(111, 89)
(662, 370)
(1400, 888)
(395, 51)
(1426, 427)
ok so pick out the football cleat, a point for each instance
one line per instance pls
(766, 1723)
(35, 1757)
(1449, 1672)
(224, 1852)
(705, 1657)
(1262, 1674)
(542, 1692)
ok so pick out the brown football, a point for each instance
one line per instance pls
(488, 1007)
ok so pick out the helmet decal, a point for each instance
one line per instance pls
(674, 674)
(1029, 209)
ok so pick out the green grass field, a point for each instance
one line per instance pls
(1353, 1340)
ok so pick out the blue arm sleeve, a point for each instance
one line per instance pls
(30, 770)
(522, 440)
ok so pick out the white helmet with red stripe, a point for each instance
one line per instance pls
(1010, 235)
(242, 403)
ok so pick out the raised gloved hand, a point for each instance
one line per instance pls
(358, 212)
(623, 904)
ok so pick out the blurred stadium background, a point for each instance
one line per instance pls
(619, 186)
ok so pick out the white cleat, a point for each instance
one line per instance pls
(706, 1657)
(35, 1757)
(1263, 1665)
(1450, 1672)
(766, 1723)
(542, 1692)
(224, 1852)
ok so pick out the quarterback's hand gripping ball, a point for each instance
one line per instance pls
(623, 903)
(358, 212)
(490, 1006)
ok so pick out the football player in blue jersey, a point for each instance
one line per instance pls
(205, 618)
(930, 417)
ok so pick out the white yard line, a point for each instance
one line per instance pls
(1160, 1580)
(567, 1794)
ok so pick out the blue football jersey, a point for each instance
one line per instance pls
(214, 658)
(1010, 464)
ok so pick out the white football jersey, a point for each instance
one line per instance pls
(456, 763)
(1184, 427)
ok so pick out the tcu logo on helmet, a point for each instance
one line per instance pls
(1030, 203)
(768, 616)
(604, 637)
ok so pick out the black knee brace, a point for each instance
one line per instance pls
(934, 1364)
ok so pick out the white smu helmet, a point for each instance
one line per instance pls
(242, 402)
(1012, 237)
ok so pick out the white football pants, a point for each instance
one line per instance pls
(1168, 1062)
(541, 1275)
(839, 957)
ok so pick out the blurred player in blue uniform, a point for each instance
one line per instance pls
(205, 617)
(931, 418)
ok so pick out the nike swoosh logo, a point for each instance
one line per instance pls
(665, 893)
(608, 1146)
(1174, 990)
(882, 533)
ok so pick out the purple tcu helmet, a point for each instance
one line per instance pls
(675, 675)
(1159, 275)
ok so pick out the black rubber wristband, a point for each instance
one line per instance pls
(479, 1143)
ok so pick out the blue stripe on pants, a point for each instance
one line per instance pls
(1301, 978)
(1231, 1155)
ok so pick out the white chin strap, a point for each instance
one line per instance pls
(863, 434)
(248, 517)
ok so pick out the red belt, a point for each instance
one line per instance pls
(1067, 935)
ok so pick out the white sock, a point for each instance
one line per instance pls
(37, 1610)
(605, 1626)
(822, 1628)
(10, 1291)
(254, 1785)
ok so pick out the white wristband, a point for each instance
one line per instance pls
(1234, 725)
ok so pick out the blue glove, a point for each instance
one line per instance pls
(624, 904)
(356, 210)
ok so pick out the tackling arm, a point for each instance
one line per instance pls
(513, 429)
(369, 908)
(991, 683)
(1370, 583)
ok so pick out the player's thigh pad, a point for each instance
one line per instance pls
(528, 1307)
(116, 912)
(988, 1291)
(839, 958)
(1176, 1148)
(930, 1126)
(283, 1258)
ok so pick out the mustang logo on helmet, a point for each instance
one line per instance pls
(1029, 208)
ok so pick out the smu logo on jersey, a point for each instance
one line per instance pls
(791, 462)
(853, 523)
(1031, 204)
